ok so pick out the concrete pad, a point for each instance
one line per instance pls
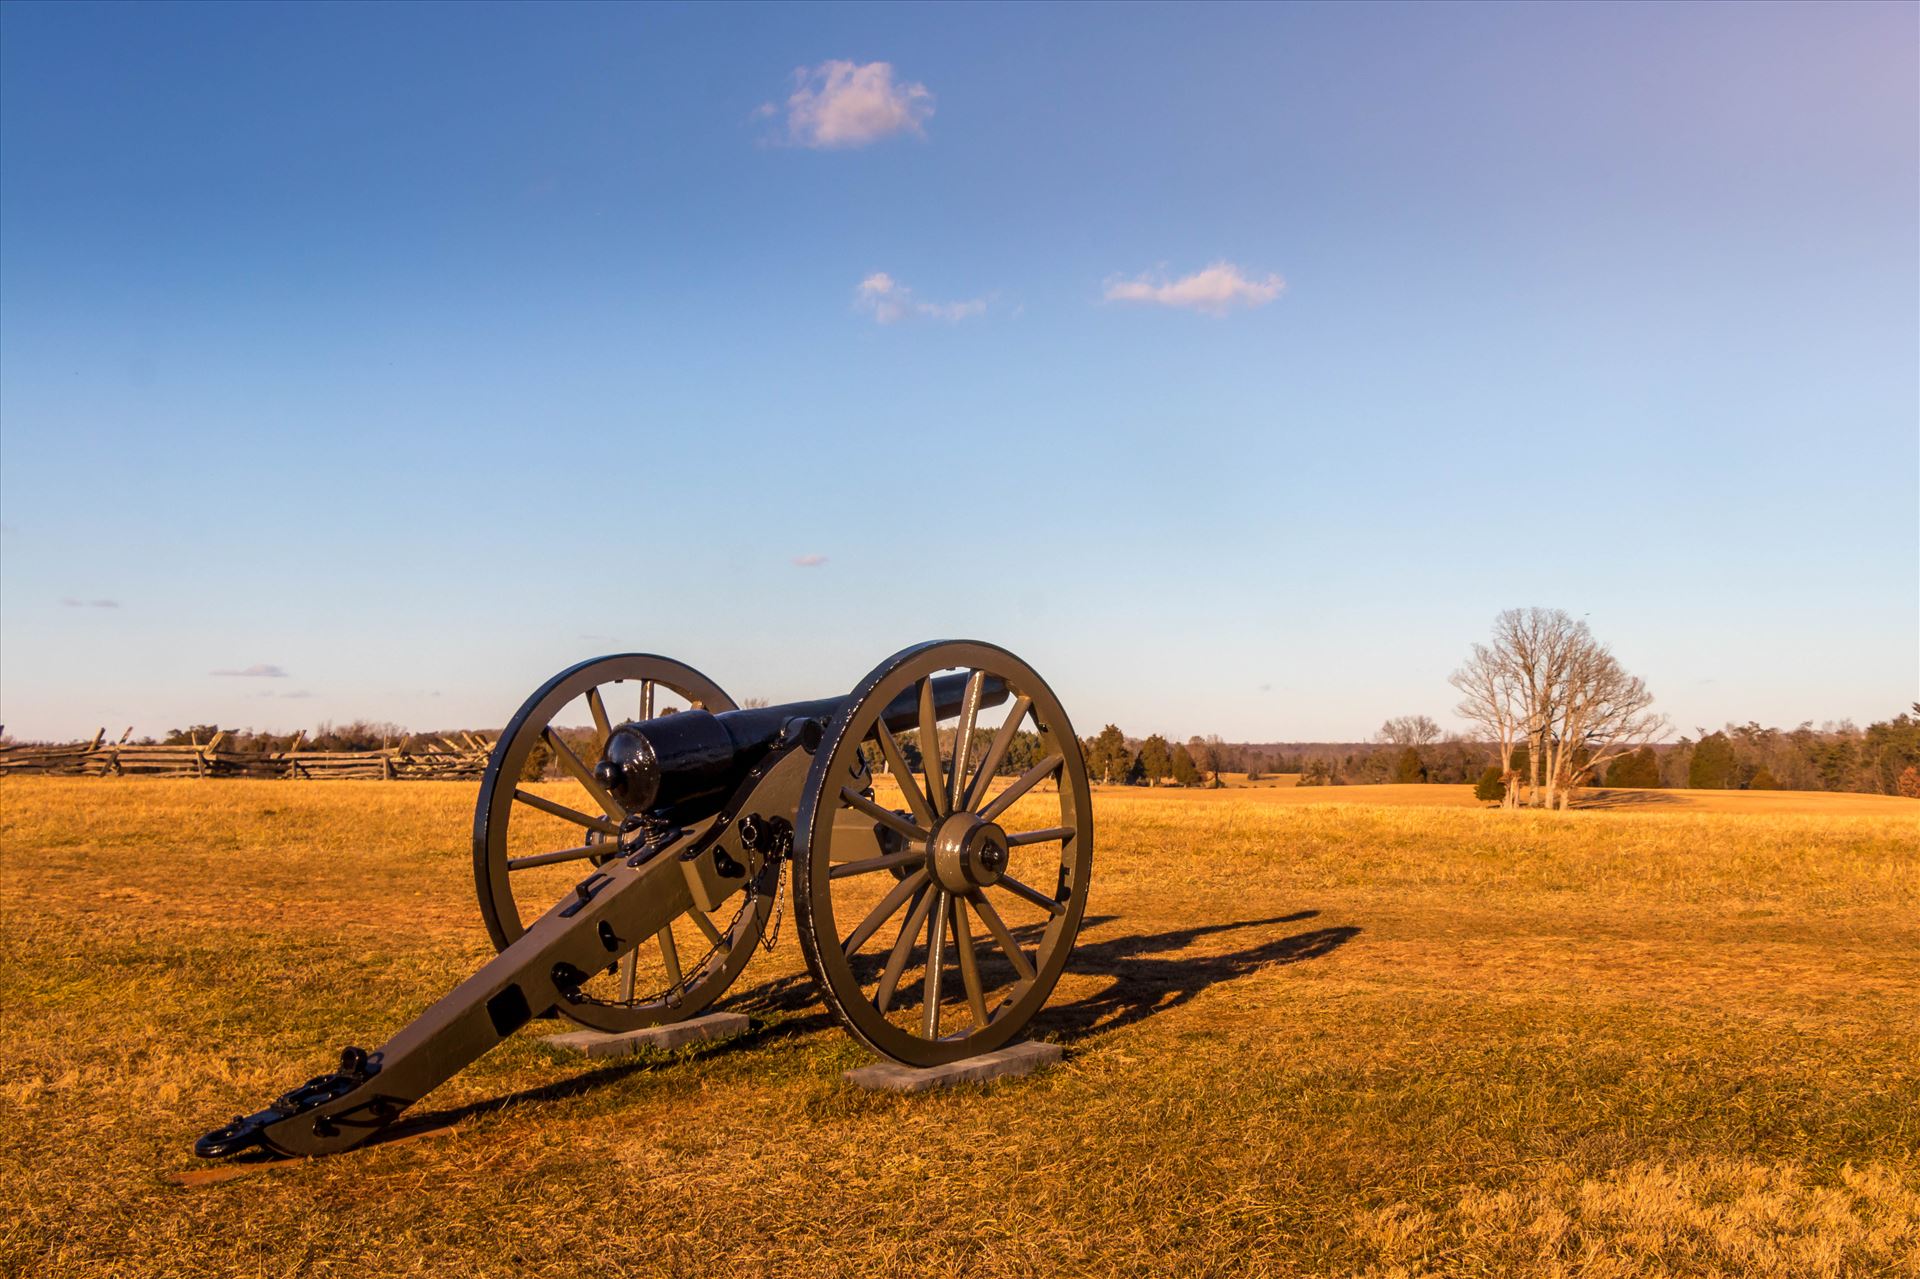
(694, 1030)
(1004, 1063)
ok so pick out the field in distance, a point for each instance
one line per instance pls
(1322, 1031)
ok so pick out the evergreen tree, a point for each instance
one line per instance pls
(1185, 771)
(1712, 765)
(1023, 752)
(1490, 789)
(1763, 780)
(1156, 760)
(1110, 759)
(1639, 768)
(1408, 768)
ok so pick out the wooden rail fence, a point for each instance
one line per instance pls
(464, 759)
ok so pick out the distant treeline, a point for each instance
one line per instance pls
(1882, 758)
(356, 735)
(359, 735)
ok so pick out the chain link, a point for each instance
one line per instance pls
(770, 936)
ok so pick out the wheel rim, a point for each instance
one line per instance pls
(947, 943)
(533, 840)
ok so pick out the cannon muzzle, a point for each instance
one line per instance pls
(681, 767)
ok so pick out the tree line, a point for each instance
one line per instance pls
(1553, 709)
(1882, 758)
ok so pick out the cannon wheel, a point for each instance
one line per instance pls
(672, 976)
(997, 892)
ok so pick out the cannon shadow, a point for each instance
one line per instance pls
(1148, 974)
(1149, 977)
(1603, 799)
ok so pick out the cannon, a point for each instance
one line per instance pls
(632, 891)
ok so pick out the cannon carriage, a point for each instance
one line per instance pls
(634, 891)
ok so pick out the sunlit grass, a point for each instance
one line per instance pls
(1358, 1034)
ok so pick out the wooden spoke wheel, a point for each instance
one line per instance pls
(963, 844)
(542, 823)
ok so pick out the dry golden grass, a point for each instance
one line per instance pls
(1364, 1034)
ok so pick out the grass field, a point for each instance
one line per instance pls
(1329, 1031)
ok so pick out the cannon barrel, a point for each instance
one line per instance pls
(683, 766)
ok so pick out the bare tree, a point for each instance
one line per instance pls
(1492, 697)
(1603, 714)
(1209, 753)
(1409, 730)
(1547, 679)
(1538, 644)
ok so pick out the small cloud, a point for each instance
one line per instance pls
(1216, 290)
(1266, 688)
(809, 560)
(74, 603)
(838, 104)
(296, 695)
(260, 670)
(888, 301)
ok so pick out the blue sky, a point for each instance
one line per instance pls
(416, 352)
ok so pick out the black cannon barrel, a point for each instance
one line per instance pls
(686, 764)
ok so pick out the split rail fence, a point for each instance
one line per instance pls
(460, 758)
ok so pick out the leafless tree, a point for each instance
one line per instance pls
(1209, 753)
(1492, 697)
(1603, 713)
(1409, 730)
(1546, 679)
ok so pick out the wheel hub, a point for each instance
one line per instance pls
(968, 853)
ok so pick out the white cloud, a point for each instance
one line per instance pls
(1216, 290)
(812, 559)
(259, 670)
(70, 602)
(888, 301)
(838, 104)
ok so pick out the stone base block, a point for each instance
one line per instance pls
(1004, 1063)
(694, 1030)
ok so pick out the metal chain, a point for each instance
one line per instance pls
(771, 935)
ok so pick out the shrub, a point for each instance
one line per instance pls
(1490, 788)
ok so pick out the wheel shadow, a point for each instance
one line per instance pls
(1146, 971)
(1615, 799)
(1149, 977)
